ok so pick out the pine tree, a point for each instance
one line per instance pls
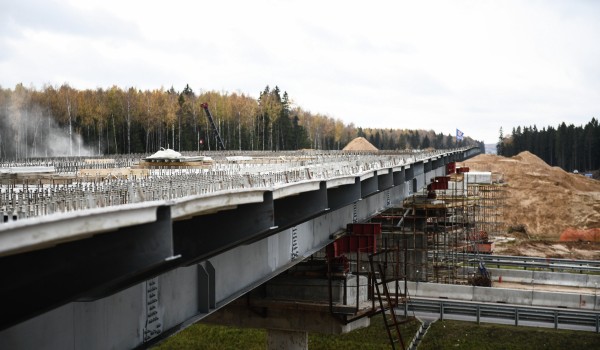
(500, 144)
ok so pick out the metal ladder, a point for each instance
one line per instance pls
(381, 287)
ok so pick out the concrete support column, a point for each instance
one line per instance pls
(286, 340)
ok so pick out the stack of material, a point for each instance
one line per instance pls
(171, 159)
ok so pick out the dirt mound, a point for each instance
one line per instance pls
(546, 200)
(360, 144)
(547, 249)
(574, 235)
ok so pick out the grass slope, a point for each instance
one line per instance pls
(210, 337)
(469, 335)
(441, 335)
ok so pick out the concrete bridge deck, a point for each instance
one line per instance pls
(170, 250)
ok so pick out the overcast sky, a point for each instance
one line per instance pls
(441, 65)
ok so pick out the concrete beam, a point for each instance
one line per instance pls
(203, 236)
(292, 210)
(188, 207)
(418, 176)
(296, 189)
(409, 173)
(344, 195)
(368, 186)
(44, 279)
(399, 177)
(385, 179)
(25, 235)
(427, 165)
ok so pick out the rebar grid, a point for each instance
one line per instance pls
(64, 191)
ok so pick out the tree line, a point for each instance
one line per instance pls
(567, 146)
(130, 120)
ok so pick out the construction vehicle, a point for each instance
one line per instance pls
(214, 126)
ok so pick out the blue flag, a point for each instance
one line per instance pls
(459, 135)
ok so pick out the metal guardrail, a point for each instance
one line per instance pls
(496, 313)
(495, 257)
(524, 262)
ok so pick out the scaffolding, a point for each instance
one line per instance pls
(426, 239)
(437, 226)
(490, 207)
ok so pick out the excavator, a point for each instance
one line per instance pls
(220, 143)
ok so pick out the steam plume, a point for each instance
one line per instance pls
(27, 132)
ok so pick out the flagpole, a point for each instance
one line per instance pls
(459, 135)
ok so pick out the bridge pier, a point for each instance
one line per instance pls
(314, 296)
(286, 340)
(286, 315)
(300, 302)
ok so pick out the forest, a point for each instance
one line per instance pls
(567, 146)
(61, 120)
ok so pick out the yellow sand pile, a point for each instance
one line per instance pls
(360, 144)
(546, 200)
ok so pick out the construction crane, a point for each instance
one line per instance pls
(214, 127)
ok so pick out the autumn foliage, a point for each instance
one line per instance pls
(130, 120)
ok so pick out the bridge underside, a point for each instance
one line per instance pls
(142, 282)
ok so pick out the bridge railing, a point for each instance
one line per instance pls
(520, 315)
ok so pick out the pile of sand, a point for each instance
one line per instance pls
(360, 144)
(545, 200)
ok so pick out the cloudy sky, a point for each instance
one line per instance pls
(473, 65)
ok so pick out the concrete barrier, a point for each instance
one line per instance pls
(504, 295)
(437, 290)
(566, 300)
(546, 277)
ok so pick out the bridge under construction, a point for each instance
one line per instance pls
(138, 248)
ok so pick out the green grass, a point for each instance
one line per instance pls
(204, 336)
(209, 337)
(441, 335)
(373, 337)
(469, 335)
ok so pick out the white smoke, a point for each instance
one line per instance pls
(25, 132)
